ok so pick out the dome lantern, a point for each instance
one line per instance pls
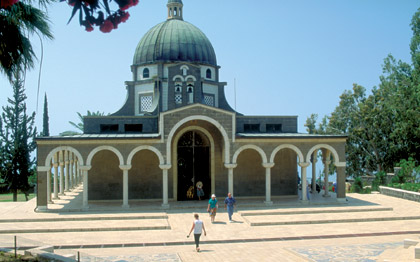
(175, 9)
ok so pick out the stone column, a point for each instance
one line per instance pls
(341, 181)
(268, 167)
(71, 162)
(41, 199)
(49, 186)
(76, 172)
(55, 176)
(314, 160)
(230, 168)
(125, 169)
(326, 160)
(61, 172)
(66, 166)
(303, 166)
(85, 174)
(165, 168)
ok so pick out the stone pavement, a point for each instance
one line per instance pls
(366, 228)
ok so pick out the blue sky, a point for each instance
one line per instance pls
(289, 57)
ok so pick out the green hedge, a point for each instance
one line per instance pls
(406, 186)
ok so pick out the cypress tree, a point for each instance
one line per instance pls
(45, 122)
(17, 141)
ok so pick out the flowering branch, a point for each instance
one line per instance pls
(6, 3)
(97, 13)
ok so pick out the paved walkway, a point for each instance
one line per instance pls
(366, 228)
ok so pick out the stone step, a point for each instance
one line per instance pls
(84, 226)
(314, 211)
(273, 222)
(86, 217)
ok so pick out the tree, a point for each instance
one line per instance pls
(17, 135)
(80, 126)
(45, 120)
(311, 124)
(18, 21)
(384, 127)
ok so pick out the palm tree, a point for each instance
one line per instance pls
(18, 22)
(79, 126)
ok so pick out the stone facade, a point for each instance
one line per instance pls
(175, 129)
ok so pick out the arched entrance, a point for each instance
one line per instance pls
(193, 163)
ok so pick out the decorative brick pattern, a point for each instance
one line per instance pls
(146, 103)
(209, 100)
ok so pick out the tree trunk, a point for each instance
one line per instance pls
(14, 195)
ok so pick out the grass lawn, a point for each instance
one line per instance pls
(9, 197)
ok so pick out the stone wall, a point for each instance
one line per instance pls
(404, 194)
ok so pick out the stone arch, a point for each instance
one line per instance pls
(289, 146)
(61, 148)
(178, 76)
(319, 146)
(190, 77)
(212, 156)
(197, 117)
(145, 147)
(242, 148)
(100, 148)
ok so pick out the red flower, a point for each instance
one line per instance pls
(7, 3)
(129, 4)
(89, 28)
(124, 16)
(107, 26)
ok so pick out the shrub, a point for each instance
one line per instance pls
(357, 186)
(380, 179)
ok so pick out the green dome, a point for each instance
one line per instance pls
(174, 1)
(172, 41)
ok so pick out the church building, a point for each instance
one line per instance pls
(177, 129)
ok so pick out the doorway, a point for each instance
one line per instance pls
(193, 164)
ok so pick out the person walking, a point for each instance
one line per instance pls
(230, 204)
(212, 207)
(198, 227)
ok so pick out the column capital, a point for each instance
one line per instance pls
(43, 168)
(67, 162)
(304, 164)
(61, 163)
(125, 167)
(267, 165)
(165, 166)
(340, 164)
(327, 162)
(85, 168)
(231, 166)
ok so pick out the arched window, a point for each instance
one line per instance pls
(146, 73)
(175, 12)
(178, 93)
(190, 93)
(208, 74)
(190, 89)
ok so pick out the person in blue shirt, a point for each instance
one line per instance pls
(230, 203)
(212, 207)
